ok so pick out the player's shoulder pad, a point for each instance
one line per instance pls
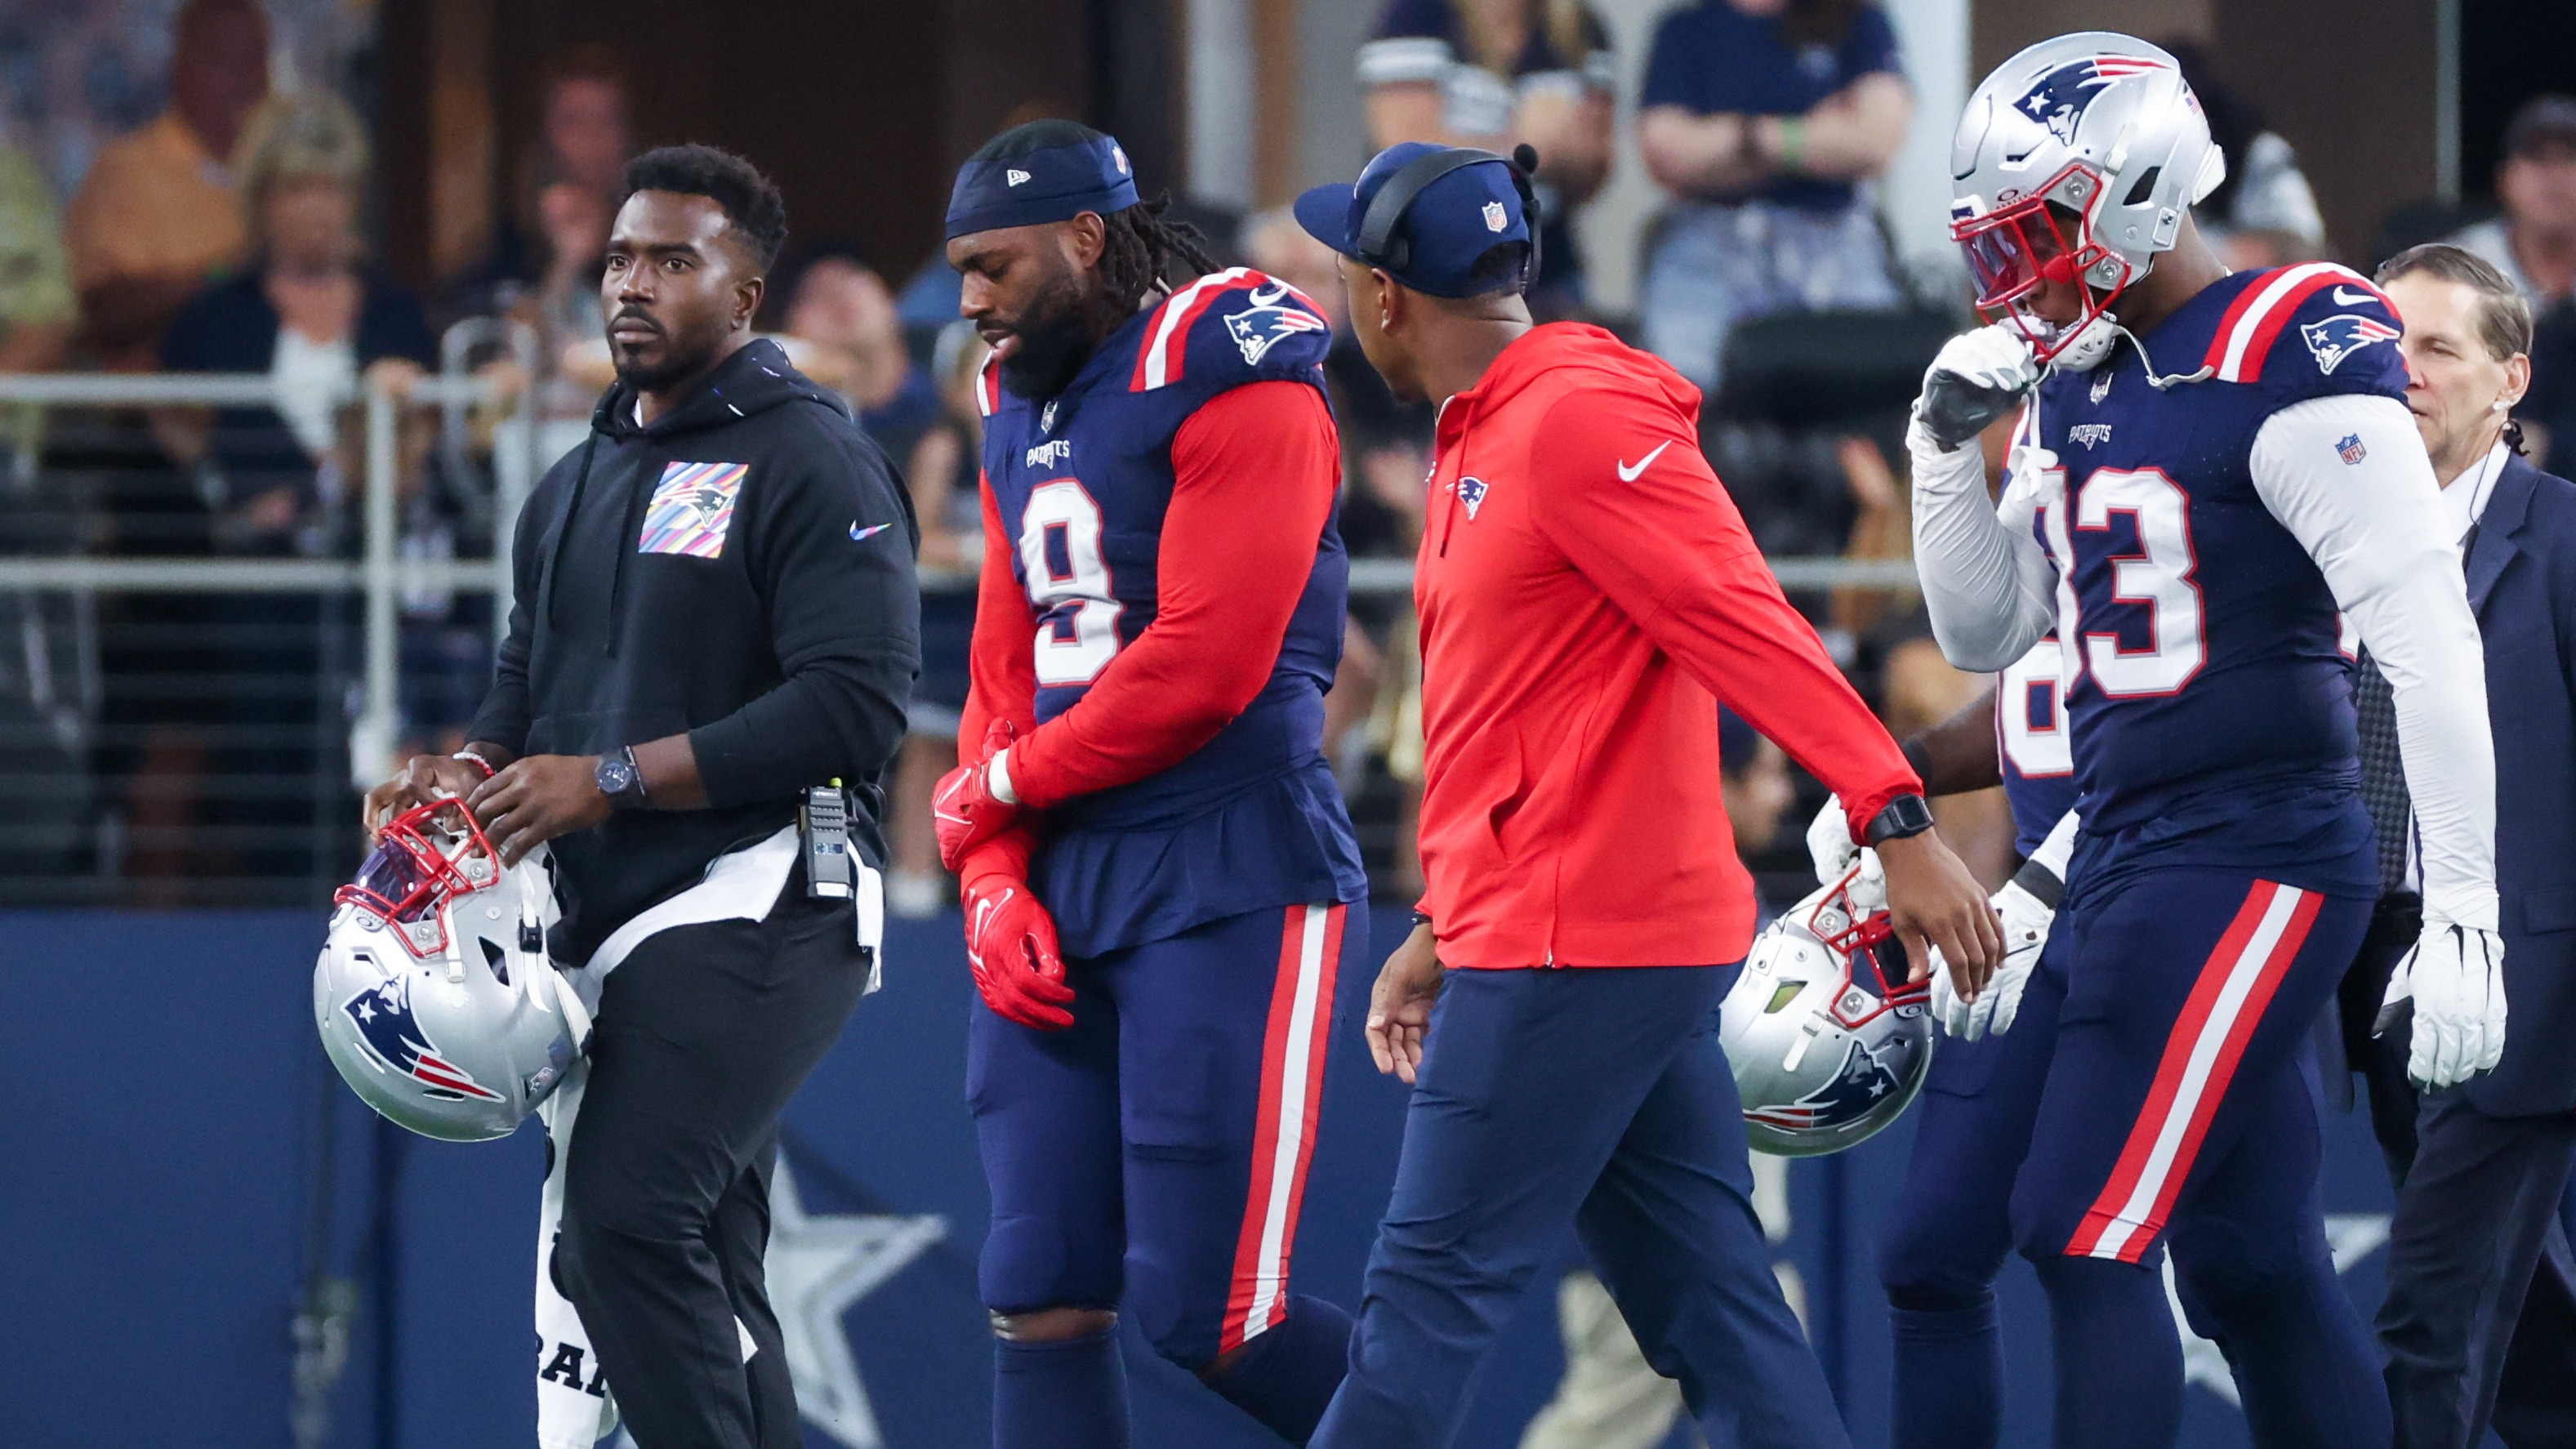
(1231, 327)
(2308, 329)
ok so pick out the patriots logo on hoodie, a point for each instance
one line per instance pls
(393, 1036)
(1262, 326)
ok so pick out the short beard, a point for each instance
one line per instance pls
(1055, 338)
(674, 367)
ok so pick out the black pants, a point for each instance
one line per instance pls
(704, 1034)
(2480, 1317)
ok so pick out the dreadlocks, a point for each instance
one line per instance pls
(1142, 253)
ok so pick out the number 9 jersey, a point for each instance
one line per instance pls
(2209, 702)
(1079, 491)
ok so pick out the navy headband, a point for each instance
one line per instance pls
(1051, 183)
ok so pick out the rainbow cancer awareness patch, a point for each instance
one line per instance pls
(691, 509)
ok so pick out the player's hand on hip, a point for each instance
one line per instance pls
(537, 798)
(1936, 905)
(974, 802)
(2025, 919)
(2454, 979)
(1399, 1014)
(1829, 842)
(1976, 378)
(1011, 947)
(421, 780)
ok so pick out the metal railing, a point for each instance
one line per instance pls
(372, 567)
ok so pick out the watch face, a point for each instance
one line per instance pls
(615, 777)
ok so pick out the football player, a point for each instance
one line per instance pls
(1162, 604)
(2217, 464)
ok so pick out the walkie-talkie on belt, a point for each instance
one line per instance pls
(823, 823)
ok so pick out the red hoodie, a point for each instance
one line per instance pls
(1588, 592)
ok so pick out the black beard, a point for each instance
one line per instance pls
(1054, 341)
(673, 368)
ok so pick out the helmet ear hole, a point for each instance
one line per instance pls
(495, 958)
(2145, 188)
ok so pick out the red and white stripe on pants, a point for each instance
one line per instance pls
(1292, 1089)
(2200, 1056)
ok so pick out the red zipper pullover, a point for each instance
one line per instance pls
(1588, 593)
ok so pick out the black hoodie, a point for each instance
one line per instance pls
(767, 606)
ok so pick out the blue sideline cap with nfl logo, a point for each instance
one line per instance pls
(1040, 172)
(1452, 222)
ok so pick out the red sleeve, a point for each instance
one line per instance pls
(1659, 535)
(1254, 472)
(1001, 665)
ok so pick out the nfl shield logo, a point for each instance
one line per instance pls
(2350, 449)
(1495, 217)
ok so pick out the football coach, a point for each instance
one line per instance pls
(1588, 596)
(713, 611)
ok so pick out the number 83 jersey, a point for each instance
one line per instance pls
(2209, 702)
(1081, 485)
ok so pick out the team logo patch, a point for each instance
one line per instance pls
(1046, 418)
(2332, 340)
(1471, 492)
(1259, 328)
(2090, 435)
(1495, 218)
(2101, 385)
(2350, 449)
(393, 1037)
(1013, 176)
(692, 508)
(2059, 99)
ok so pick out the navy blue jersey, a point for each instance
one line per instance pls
(1251, 820)
(2210, 708)
(2032, 740)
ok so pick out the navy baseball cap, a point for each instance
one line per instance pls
(1450, 224)
(1040, 172)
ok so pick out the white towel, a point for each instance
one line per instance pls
(574, 1410)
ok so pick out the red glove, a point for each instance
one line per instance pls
(964, 811)
(1010, 943)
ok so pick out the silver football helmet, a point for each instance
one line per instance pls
(2095, 127)
(1828, 1040)
(434, 993)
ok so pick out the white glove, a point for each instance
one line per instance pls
(2026, 919)
(2455, 978)
(1976, 378)
(1829, 841)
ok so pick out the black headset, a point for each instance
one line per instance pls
(1379, 243)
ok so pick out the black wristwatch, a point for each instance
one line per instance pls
(1905, 815)
(620, 780)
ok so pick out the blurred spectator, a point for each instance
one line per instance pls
(844, 333)
(2534, 241)
(1496, 74)
(157, 214)
(942, 468)
(2264, 214)
(572, 346)
(308, 313)
(37, 310)
(1760, 116)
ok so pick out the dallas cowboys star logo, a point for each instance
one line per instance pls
(820, 1265)
(2351, 1237)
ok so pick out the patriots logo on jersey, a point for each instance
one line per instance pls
(2059, 99)
(2335, 338)
(1265, 324)
(393, 1036)
(1471, 492)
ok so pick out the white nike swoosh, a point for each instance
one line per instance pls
(1629, 475)
(2344, 298)
(1270, 296)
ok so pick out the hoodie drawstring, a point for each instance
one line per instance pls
(563, 531)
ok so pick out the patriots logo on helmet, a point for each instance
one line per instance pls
(1860, 1086)
(1259, 328)
(2058, 99)
(393, 1036)
(2337, 337)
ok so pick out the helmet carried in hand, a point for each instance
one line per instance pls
(1828, 1043)
(434, 993)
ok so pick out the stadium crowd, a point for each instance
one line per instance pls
(203, 220)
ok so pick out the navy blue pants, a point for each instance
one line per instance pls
(1153, 1155)
(1599, 1097)
(2182, 1091)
